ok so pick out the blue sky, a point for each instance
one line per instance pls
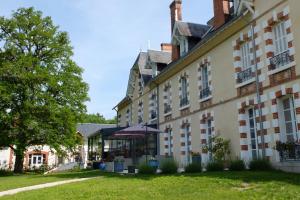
(108, 35)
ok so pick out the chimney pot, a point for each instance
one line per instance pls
(166, 47)
(221, 12)
(176, 12)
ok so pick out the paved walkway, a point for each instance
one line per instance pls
(41, 186)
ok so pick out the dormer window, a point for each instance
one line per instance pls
(183, 46)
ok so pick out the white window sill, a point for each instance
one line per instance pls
(184, 107)
(205, 99)
(166, 114)
(245, 83)
(275, 71)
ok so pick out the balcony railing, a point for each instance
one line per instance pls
(184, 102)
(153, 115)
(167, 108)
(245, 75)
(205, 93)
(288, 152)
(280, 60)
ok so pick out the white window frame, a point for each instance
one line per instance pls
(209, 136)
(280, 38)
(283, 121)
(184, 88)
(246, 55)
(170, 135)
(253, 139)
(36, 159)
(204, 76)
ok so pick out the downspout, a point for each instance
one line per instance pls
(157, 109)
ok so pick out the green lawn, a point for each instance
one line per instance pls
(16, 181)
(223, 185)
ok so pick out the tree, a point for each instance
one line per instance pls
(42, 91)
(97, 119)
(219, 147)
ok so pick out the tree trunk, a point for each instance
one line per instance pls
(19, 160)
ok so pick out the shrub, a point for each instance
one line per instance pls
(215, 166)
(237, 165)
(193, 168)
(4, 172)
(146, 169)
(169, 166)
(260, 164)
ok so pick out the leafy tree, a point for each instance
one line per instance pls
(219, 147)
(97, 119)
(42, 91)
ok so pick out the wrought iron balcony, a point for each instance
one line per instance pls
(280, 60)
(245, 75)
(167, 108)
(205, 93)
(153, 115)
(184, 102)
(288, 152)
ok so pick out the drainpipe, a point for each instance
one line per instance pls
(157, 110)
(257, 88)
(258, 92)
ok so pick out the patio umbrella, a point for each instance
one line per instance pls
(136, 131)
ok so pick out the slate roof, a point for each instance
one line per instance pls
(191, 29)
(88, 129)
(159, 56)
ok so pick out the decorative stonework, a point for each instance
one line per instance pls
(185, 139)
(184, 74)
(282, 16)
(247, 37)
(274, 96)
(152, 106)
(204, 117)
(168, 140)
(205, 63)
(245, 138)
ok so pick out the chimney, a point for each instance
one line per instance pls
(176, 12)
(166, 47)
(221, 12)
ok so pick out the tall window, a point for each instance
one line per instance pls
(280, 41)
(170, 138)
(209, 137)
(252, 133)
(187, 141)
(289, 123)
(184, 92)
(167, 97)
(204, 77)
(245, 55)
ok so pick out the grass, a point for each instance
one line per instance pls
(17, 181)
(209, 185)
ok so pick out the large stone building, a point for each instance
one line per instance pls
(205, 82)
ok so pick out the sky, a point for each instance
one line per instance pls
(108, 35)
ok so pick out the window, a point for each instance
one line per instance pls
(204, 77)
(170, 138)
(167, 96)
(252, 133)
(280, 41)
(288, 119)
(35, 159)
(246, 55)
(183, 47)
(184, 92)
(205, 90)
(187, 141)
(209, 137)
